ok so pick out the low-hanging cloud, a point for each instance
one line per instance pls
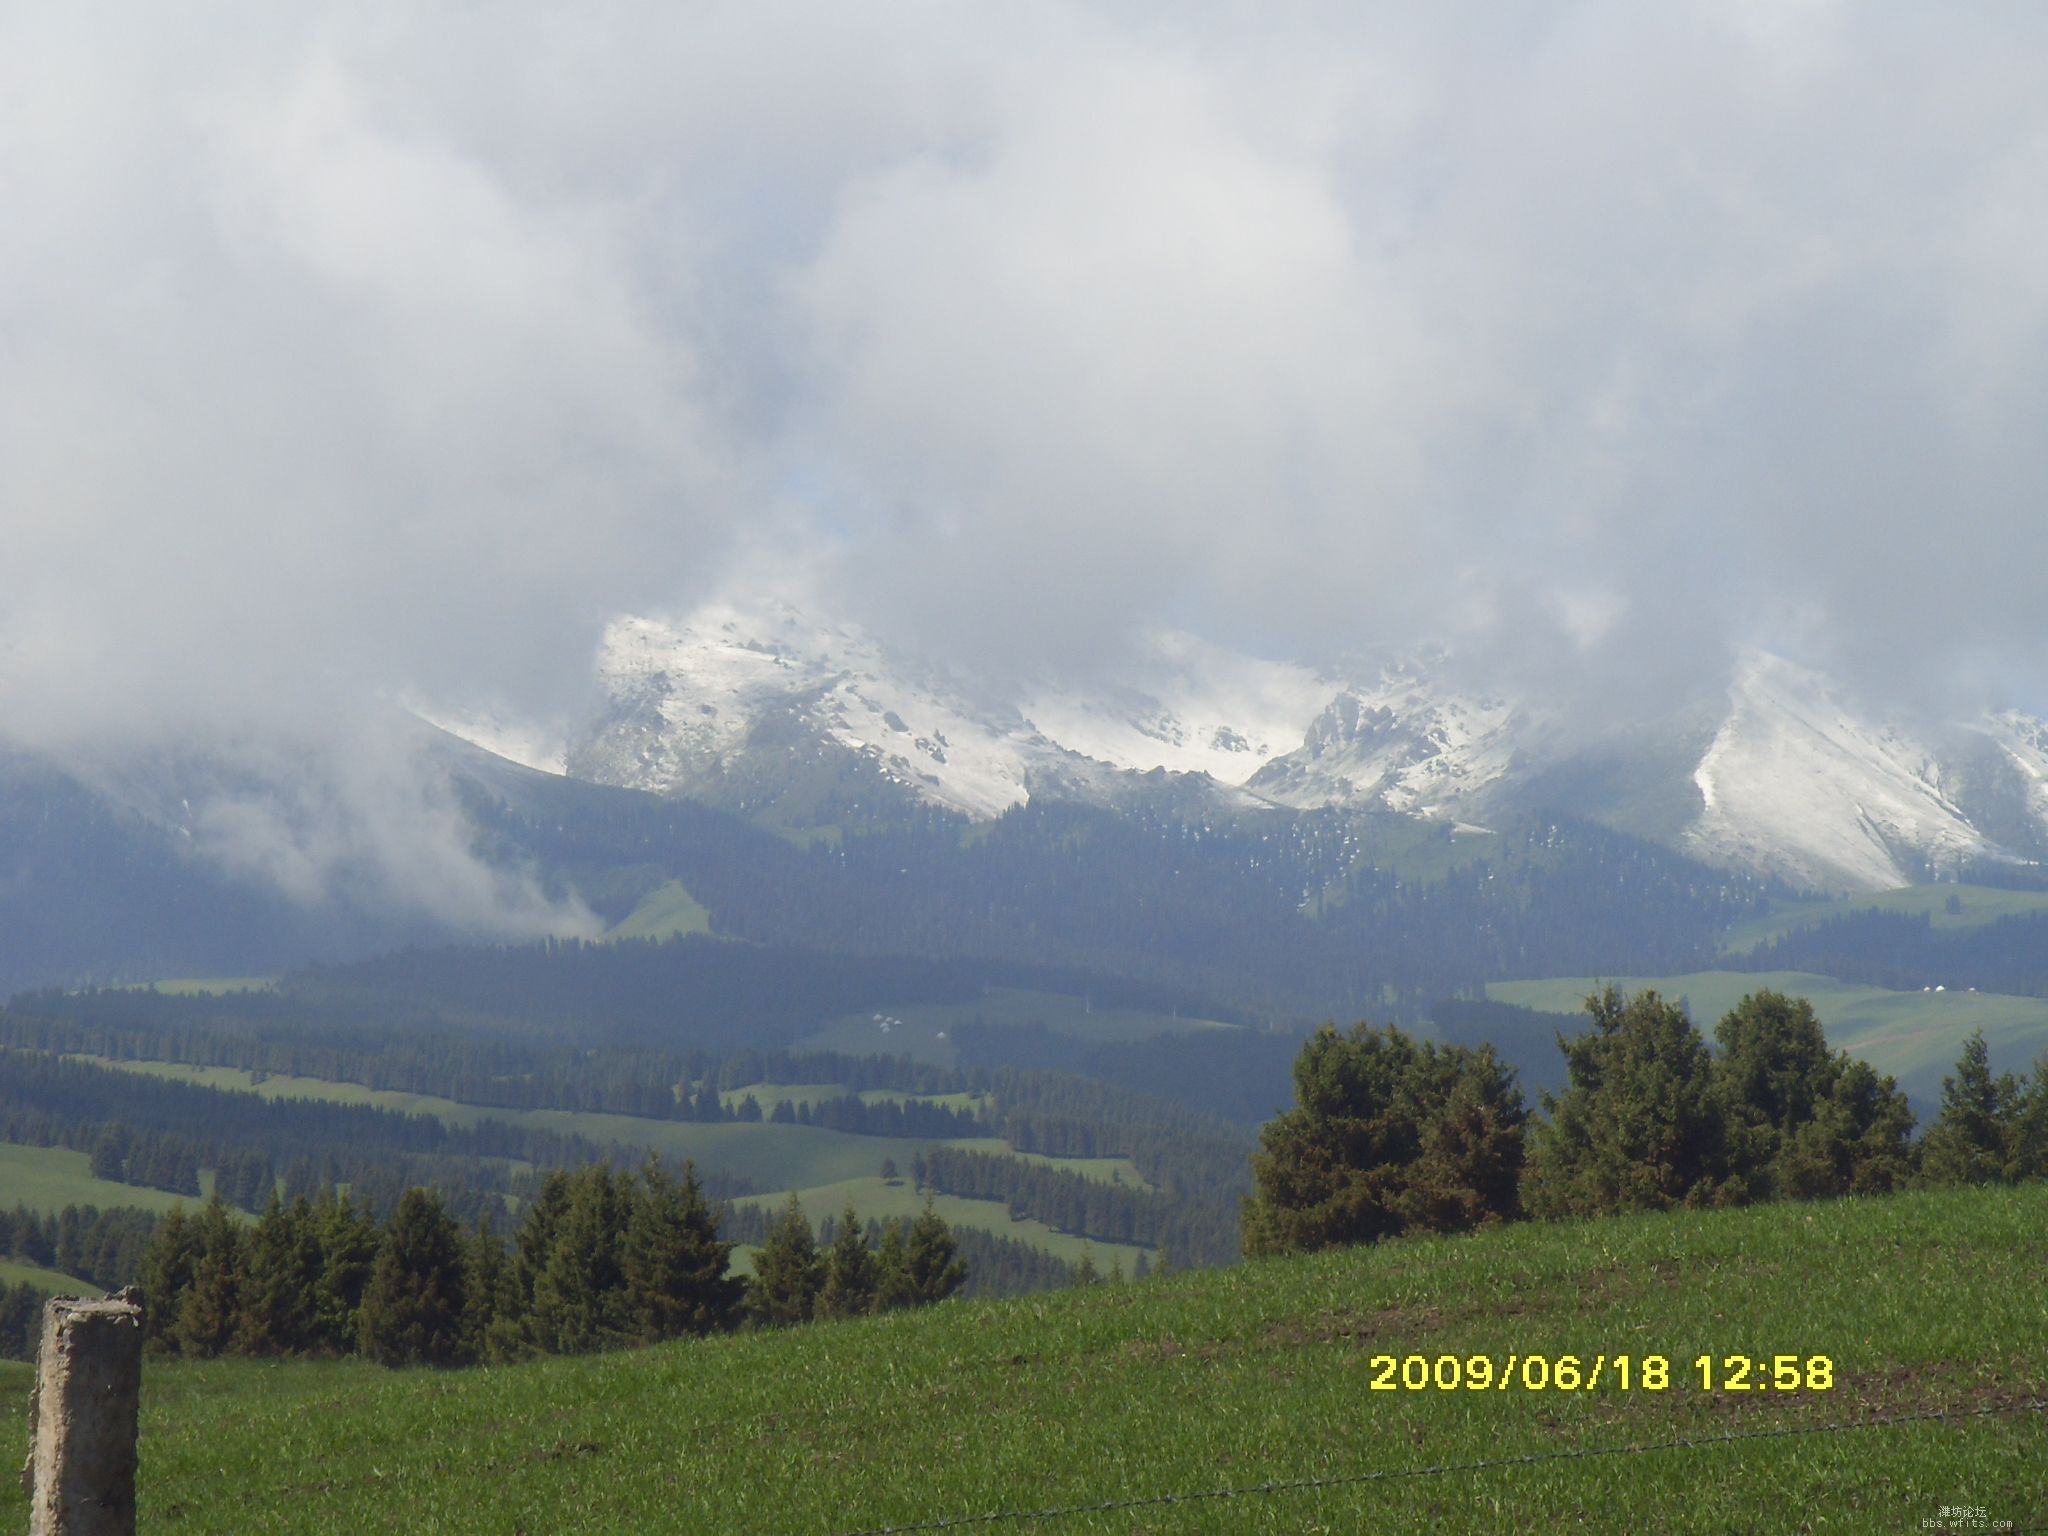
(372, 349)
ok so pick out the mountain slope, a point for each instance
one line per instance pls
(1795, 780)
(805, 723)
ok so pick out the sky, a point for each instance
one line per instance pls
(363, 351)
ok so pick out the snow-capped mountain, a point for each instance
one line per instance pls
(1403, 742)
(691, 702)
(694, 704)
(1796, 783)
(760, 705)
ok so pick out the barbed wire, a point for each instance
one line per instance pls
(1443, 1469)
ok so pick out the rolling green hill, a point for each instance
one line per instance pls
(1973, 907)
(665, 912)
(55, 1281)
(824, 1167)
(774, 1156)
(50, 1178)
(1241, 1400)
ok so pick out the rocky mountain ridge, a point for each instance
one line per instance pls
(767, 709)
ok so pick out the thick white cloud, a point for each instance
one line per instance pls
(354, 348)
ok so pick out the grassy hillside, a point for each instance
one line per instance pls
(1229, 1380)
(55, 1281)
(1914, 1036)
(1975, 905)
(50, 1178)
(825, 1167)
(664, 912)
(775, 1156)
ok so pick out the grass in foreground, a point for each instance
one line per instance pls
(1197, 1382)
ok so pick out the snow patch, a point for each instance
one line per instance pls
(1796, 785)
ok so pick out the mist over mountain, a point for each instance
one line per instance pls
(799, 721)
(1059, 365)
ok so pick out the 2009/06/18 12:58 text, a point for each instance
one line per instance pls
(1622, 1373)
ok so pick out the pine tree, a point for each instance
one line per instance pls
(2028, 1154)
(933, 1268)
(851, 1271)
(281, 1278)
(211, 1306)
(788, 1271)
(412, 1312)
(167, 1275)
(579, 1300)
(530, 1250)
(1639, 1127)
(676, 1269)
(110, 1152)
(1804, 1122)
(892, 1274)
(1970, 1140)
(1386, 1135)
(490, 1298)
(347, 1241)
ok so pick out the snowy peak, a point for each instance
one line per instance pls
(1797, 783)
(780, 714)
(1401, 743)
(688, 700)
(1187, 707)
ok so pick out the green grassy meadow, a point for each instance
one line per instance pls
(212, 986)
(777, 1156)
(50, 1178)
(824, 1167)
(55, 1281)
(1978, 904)
(667, 911)
(1223, 1380)
(1913, 1036)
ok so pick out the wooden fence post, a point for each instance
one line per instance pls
(80, 1476)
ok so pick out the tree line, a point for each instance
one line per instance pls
(1271, 916)
(1055, 1112)
(104, 1248)
(1905, 952)
(164, 1132)
(601, 1259)
(288, 1034)
(48, 1100)
(1390, 1135)
(1193, 1234)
